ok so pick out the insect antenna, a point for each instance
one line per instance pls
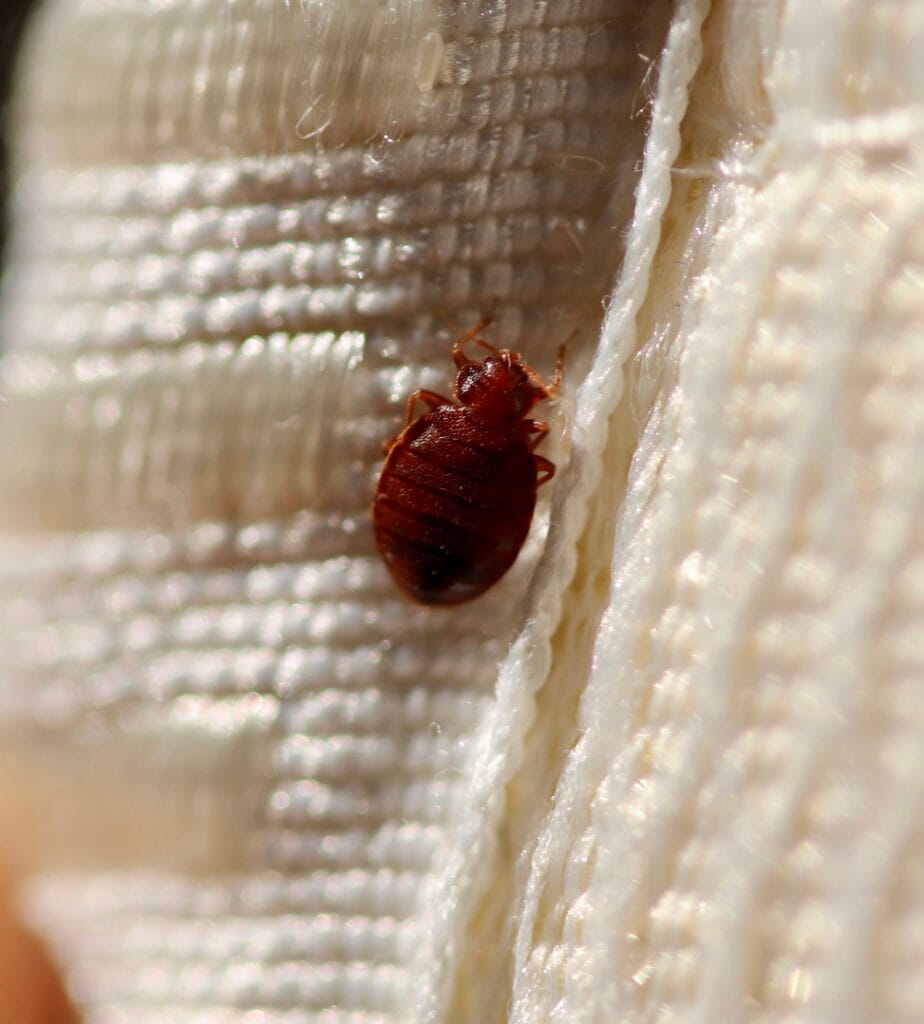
(458, 356)
(552, 389)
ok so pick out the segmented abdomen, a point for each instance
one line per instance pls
(453, 506)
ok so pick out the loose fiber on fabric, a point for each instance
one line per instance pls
(476, 894)
(237, 750)
(735, 834)
(254, 784)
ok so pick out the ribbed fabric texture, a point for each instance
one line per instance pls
(730, 829)
(257, 786)
(243, 235)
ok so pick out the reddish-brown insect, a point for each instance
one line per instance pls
(458, 488)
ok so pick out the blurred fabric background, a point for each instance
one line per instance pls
(671, 769)
(11, 28)
(243, 233)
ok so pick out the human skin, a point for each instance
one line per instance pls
(30, 990)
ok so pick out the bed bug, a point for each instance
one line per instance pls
(456, 495)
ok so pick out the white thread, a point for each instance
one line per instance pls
(726, 841)
(466, 880)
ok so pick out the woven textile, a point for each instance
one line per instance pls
(704, 799)
(243, 233)
(256, 786)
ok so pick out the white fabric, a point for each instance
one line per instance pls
(252, 780)
(735, 823)
(243, 234)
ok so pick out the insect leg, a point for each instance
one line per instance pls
(550, 390)
(458, 355)
(539, 428)
(543, 465)
(430, 398)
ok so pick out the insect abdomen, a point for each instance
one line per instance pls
(451, 514)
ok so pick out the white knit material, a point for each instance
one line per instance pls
(253, 785)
